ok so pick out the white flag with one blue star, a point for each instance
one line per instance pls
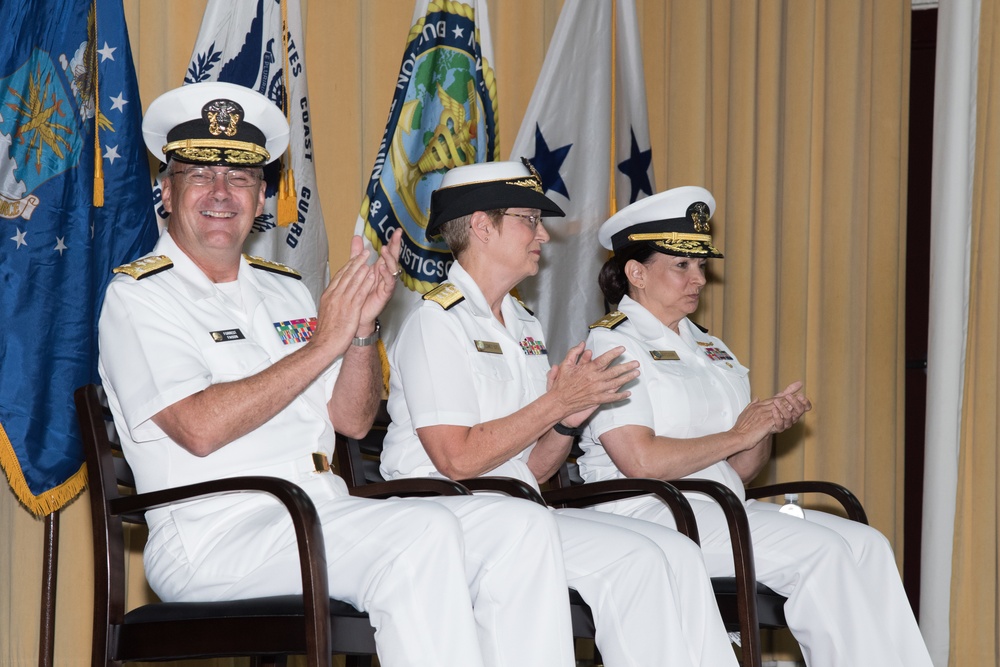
(567, 134)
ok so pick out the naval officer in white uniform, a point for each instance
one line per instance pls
(690, 414)
(472, 392)
(219, 365)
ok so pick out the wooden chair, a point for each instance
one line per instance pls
(746, 605)
(266, 629)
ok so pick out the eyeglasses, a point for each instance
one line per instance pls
(532, 220)
(203, 176)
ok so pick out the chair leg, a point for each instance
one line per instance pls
(357, 661)
(269, 661)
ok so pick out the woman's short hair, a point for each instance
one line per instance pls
(456, 232)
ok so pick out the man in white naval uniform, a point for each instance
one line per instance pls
(690, 414)
(472, 393)
(218, 365)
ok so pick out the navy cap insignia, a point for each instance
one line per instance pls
(145, 266)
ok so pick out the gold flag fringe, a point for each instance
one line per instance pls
(48, 502)
(287, 197)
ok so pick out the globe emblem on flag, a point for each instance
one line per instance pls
(443, 116)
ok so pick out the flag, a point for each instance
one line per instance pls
(242, 43)
(443, 115)
(567, 134)
(65, 69)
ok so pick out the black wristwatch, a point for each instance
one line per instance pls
(562, 429)
(370, 339)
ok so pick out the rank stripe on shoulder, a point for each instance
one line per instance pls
(610, 321)
(273, 267)
(145, 266)
(445, 295)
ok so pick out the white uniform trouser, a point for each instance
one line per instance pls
(461, 581)
(648, 589)
(846, 605)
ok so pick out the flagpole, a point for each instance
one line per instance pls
(47, 621)
(612, 201)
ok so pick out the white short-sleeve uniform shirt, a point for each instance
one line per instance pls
(690, 384)
(461, 367)
(169, 335)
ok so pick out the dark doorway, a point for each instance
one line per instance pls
(923, 46)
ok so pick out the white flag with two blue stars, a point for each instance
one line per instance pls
(567, 135)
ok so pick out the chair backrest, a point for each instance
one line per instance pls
(357, 459)
(104, 471)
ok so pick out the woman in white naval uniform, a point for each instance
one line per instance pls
(472, 393)
(690, 414)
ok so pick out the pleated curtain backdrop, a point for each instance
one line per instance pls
(975, 619)
(794, 114)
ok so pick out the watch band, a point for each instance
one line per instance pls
(370, 339)
(562, 429)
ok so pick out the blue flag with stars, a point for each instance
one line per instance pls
(69, 133)
(583, 149)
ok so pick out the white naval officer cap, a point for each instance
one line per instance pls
(215, 124)
(676, 222)
(486, 186)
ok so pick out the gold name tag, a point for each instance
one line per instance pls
(488, 347)
(664, 355)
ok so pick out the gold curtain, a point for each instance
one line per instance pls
(975, 621)
(792, 113)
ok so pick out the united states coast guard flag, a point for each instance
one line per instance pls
(65, 68)
(443, 114)
(243, 43)
(567, 134)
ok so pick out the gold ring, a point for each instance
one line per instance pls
(397, 273)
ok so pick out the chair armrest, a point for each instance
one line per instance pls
(410, 487)
(852, 506)
(511, 486)
(739, 537)
(595, 493)
(308, 533)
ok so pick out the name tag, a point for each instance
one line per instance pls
(664, 355)
(227, 335)
(489, 347)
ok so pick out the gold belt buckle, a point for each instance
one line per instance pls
(320, 462)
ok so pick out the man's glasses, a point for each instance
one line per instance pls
(532, 220)
(203, 176)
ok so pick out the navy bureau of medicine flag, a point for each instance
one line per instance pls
(69, 137)
(443, 115)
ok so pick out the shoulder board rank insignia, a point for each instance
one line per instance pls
(445, 295)
(529, 310)
(273, 267)
(145, 266)
(611, 320)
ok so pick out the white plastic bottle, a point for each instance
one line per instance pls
(792, 507)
